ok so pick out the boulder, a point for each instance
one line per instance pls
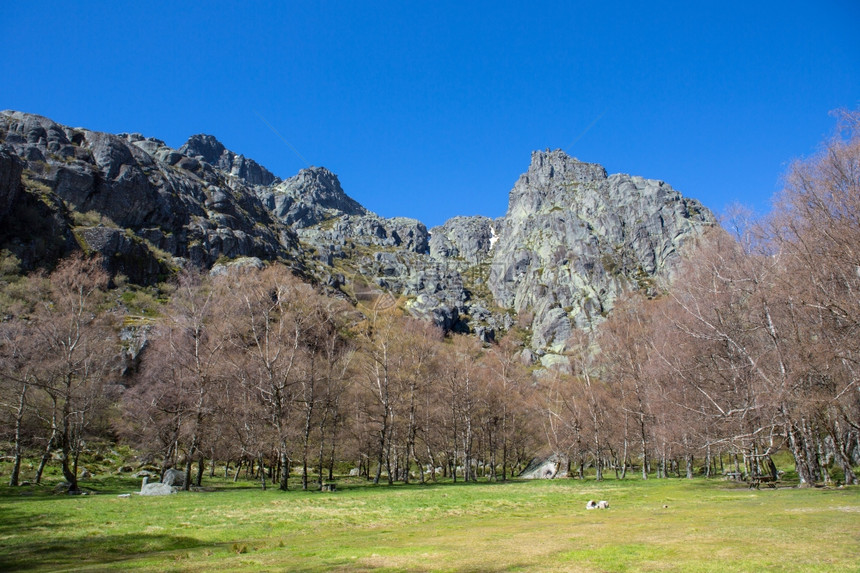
(157, 489)
(549, 467)
(173, 477)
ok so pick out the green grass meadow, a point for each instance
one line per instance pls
(654, 525)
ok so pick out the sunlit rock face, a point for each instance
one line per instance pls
(144, 206)
(573, 239)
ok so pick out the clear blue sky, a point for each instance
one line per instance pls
(431, 109)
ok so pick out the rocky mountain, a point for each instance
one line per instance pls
(207, 148)
(144, 206)
(572, 241)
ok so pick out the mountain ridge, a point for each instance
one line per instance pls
(573, 238)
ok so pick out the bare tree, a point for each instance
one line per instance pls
(507, 379)
(71, 345)
(184, 366)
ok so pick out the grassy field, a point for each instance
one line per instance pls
(654, 525)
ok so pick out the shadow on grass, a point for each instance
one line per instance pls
(52, 554)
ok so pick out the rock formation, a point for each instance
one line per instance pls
(573, 238)
(207, 148)
(466, 238)
(174, 209)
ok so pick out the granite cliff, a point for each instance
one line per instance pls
(573, 238)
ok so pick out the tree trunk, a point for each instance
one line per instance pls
(598, 463)
(381, 453)
(842, 454)
(644, 444)
(66, 447)
(822, 462)
(796, 445)
(285, 467)
(774, 474)
(187, 485)
(708, 461)
(19, 417)
(189, 457)
(504, 454)
(262, 472)
(331, 454)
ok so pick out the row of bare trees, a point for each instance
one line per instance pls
(58, 349)
(259, 368)
(754, 349)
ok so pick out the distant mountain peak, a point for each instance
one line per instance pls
(207, 148)
(311, 196)
(204, 146)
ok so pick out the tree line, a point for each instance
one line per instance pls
(754, 348)
(751, 350)
(260, 369)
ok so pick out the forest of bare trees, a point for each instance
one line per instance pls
(752, 350)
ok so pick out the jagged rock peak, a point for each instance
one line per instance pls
(205, 146)
(558, 167)
(213, 152)
(320, 185)
(310, 197)
(551, 180)
(574, 239)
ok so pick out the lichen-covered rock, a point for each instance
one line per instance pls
(312, 196)
(573, 239)
(157, 489)
(239, 265)
(466, 238)
(124, 252)
(549, 467)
